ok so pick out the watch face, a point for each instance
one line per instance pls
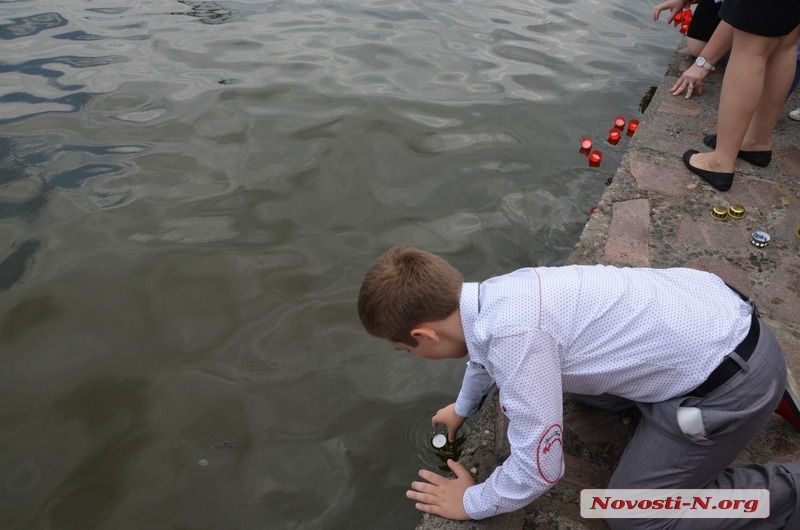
(702, 63)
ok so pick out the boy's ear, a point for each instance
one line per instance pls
(423, 332)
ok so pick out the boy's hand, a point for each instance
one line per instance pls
(441, 496)
(447, 416)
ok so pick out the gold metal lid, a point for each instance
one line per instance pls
(736, 211)
(719, 213)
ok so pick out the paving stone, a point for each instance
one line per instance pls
(752, 194)
(783, 291)
(711, 233)
(659, 178)
(788, 160)
(629, 234)
(730, 273)
(683, 107)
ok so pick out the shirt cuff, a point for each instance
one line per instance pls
(463, 411)
(472, 503)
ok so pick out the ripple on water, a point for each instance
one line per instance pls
(423, 455)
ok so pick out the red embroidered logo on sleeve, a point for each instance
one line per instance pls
(549, 454)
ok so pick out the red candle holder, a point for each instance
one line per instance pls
(586, 145)
(684, 17)
(619, 122)
(632, 126)
(684, 28)
(614, 135)
(595, 158)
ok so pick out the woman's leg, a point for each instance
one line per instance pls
(742, 89)
(780, 72)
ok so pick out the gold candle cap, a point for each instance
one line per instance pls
(736, 211)
(719, 213)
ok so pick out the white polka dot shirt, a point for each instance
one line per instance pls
(645, 334)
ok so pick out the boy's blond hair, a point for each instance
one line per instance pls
(405, 287)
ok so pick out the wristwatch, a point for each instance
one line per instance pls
(702, 63)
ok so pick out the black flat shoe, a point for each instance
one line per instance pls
(757, 158)
(720, 181)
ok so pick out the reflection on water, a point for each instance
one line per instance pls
(208, 12)
(31, 25)
(190, 193)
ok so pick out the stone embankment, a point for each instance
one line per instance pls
(655, 213)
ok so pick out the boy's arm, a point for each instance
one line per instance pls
(528, 371)
(476, 385)
(439, 495)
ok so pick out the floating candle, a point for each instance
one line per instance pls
(595, 157)
(439, 441)
(586, 144)
(613, 135)
(632, 126)
(619, 122)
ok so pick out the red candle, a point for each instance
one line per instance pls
(586, 144)
(595, 157)
(632, 126)
(613, 135)
(684, 28)
(619, 122)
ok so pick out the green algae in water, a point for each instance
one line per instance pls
(648, 97)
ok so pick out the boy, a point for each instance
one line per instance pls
(679, 344)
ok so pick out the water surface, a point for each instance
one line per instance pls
(190, 193)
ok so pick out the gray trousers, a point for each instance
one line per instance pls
(660, 455)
